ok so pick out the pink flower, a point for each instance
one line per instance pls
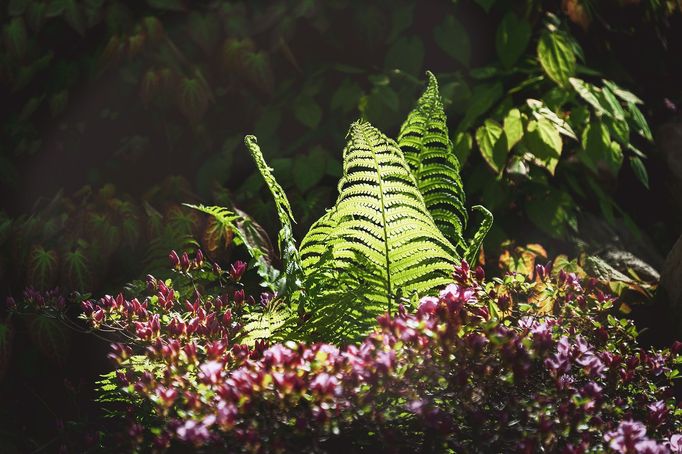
(628, 434)
(675, 443)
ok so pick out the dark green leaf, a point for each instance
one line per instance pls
(451, 36)
(484, 96)
(307, 111)
(406, 54)
(640, 171)
(492, 143)
(640, 122)
(513, 35)
(513, 127)
(309, 169)
(544, 142)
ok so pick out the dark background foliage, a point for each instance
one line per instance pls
(132, 94)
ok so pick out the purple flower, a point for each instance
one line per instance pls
(650, 447)
(625, 438)
(675, 443)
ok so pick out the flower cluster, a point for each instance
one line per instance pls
(506, 365)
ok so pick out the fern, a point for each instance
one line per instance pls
(292, 282)
(428, 150)
(227, 220)
(379, 231)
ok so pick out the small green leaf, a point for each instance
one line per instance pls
(540, 110)
(513, 127)
(406, 54)
(512, 38)
(639, 122)
(307, 111)
(485, 4)
(309, 169)
(16, 7)
(544, 142)
(451, 36)
(461, 146)
(552, 212)
(15, 35)
(595, 141)
(556, 56)
(493, 150)
(589, 93)
(640, 171)
(167, 5)
(482, 99)
(622, 93)
(346, 97)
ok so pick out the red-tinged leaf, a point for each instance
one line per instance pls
(51, 338)
(193, 98)
(76, 270)
(43, 267)
(16, 39)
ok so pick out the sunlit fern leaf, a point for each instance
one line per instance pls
(43, 265)
(428, 150)
(293, 272)
(379, 231)
(272, 324)
(471, 254)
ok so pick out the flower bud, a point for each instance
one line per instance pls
(174, 259)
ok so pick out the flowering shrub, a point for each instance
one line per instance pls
(509, 364)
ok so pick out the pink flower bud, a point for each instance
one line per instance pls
(237, 270)
(174, 259)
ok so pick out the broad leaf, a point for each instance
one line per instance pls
(451, 36)
(493, 145)
(544, 142)
(511, 40)
(556, 56)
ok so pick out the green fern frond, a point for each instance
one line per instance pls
(228, 220)
(380, 233)
(272, 324)
(428, 150)
(293, 271)
(471, 254)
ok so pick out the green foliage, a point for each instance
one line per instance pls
(379, 230)
(428, 150)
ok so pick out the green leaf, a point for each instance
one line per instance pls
(377, 242)
(552, 212)
(488, 140)
(293, 271)
(544, 142)
(73, 16)
(540, 110)
(427, 148)
(513, 127)
(77, 270)
(167, 5)
(51, 338)
(309, 169)
(16, 38)
(484, 96)
(406, 54)
(511, 40)
(485, 4)
(346, 97)
(451, 36)
(639, 122)
(639, 169)
(471, 255)
(589, 93)
(623, 94)
(42, 267)
(598, 149)
(555, 53)
(17, 7)
(461, 146)
(307, 111)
